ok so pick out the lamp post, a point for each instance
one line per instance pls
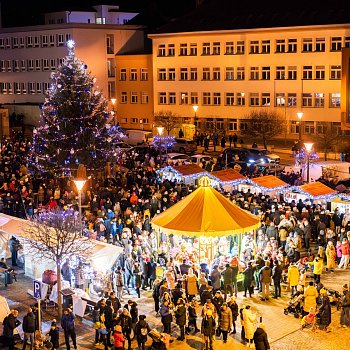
(79, 183)
(195, 108)
(300, 116)
(308, 147)
(114, 100)
(160, 130)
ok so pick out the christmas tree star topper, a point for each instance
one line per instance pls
(71, 46)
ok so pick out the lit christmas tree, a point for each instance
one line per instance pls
(74, 127)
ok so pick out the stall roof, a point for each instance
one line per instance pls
(205, 212)
(317, 189)
(227, 175)
(268, 181)
(189, 169)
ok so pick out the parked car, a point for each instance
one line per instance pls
(264, 153)
(178, 159)
(199, 158)
(230, 155)
(123, 145)
(183, 145)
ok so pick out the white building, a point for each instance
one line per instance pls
(28, 55)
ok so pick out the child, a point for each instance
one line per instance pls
(192, 316)
(118, 338)
(54, 335)
(339, 253)
(309, 319)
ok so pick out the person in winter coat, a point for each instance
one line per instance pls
(141, 331)
(28, 327)
(325, 314)
(170, 278)
(265, 274)
(192, 317)
(310, 296)
(67, 324)
(119, 339)
(137, 278)
(248, 279)
(54, 335)
(191, 284)
(293, 277)
(180, 316)
(249, 320)
(345, 251)
(234, 310)
(331, 255)
(225, 321)
(318, 268)
(260, 338)
(277, 277)
(126, 323)
(215, 278)
(166, 316)
(208, 328)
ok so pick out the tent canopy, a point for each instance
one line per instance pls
(205, 212)
(103, 255)
(317, 190)
(268, 182)
(227, 175)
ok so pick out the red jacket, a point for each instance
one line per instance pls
(118, 340)
(344, 248)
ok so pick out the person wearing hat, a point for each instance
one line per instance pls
(345, 307)
(119, 339)
(208, 329)
(68, 326)
(260, 338)
(325, 314)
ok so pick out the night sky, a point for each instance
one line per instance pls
(24, 12)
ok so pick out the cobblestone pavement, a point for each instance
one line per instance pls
(283, 330)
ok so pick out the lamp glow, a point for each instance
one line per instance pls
(113, 100)
(79, 183)
(308, 146)
(160, 130)
(300, 115)
(195, 108)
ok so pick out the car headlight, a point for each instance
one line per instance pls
(262, 160)
(251, 161)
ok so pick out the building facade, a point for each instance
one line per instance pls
(28, 55)
(134, 86)
(229, 73)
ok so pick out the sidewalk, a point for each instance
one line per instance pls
(283, 330)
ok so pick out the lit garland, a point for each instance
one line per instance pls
(163, 142)
(301, 157)
(73, 128)
(297, 189)
(170, 173)
(264, 189)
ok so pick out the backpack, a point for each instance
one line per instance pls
(144, 331)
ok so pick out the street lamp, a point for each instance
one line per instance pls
(160, 130)
(114, 100)
(195, 108)
(300, 115)
(79, 183)
(308, 147)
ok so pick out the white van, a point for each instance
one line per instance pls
(137, 137)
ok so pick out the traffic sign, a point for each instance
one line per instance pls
(37, 290)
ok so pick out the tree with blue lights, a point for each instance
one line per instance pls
(74, 126)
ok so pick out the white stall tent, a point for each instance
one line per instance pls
(102, 258)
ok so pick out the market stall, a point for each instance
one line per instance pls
(228, 179)
(314, 191)
(97, 268)
(187, 173)
(205, 226)
(268, 185)
(341, 204)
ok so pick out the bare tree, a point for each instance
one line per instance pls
(167, 119)
(56, 236)
(328, 138)
(264, 124)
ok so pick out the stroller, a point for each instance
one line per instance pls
(334, 298)
(295, 305)
(159, 340)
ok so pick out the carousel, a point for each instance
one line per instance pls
(206, 226)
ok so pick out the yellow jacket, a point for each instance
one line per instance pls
(293, 275)
(318, 266)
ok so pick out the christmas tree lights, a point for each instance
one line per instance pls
(73, 127)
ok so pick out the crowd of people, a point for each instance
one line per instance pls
(294, 239)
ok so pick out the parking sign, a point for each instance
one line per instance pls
(37, 290)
